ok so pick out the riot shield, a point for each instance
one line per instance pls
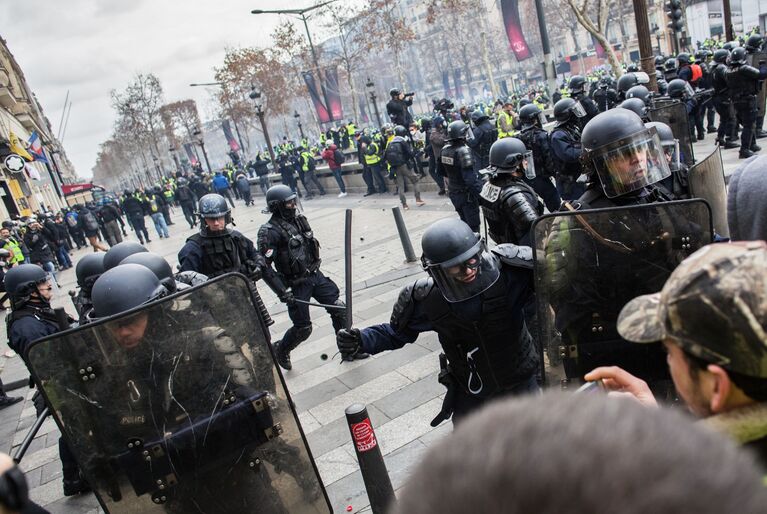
(706, 181)
(674, 114)
(761, 98)
(589, 264)
(177, 406)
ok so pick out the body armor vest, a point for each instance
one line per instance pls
(450, 153)
(221, 254)
(489, 354)
(505, 230)
(298, 252)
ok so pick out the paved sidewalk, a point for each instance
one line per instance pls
(400, 388)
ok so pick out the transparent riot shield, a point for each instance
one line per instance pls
(177, 406)
(674, 114)
(761, 98)
(589, 264)
(706, 181)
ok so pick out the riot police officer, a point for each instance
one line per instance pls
(287, 242)
(743, 82)
(579, 91)
(484, 136)
(510, 206)
(624, 158)
(682, 91)
(30, 290)
(605, 96)
(677, 185)
(566, 147)
(536, 139)
(217, 249)
(464, 184)
(721, 99)
(641, 92)
(754, 44)
(474, 300)
(88, 269)
(629, 80)
(636, 105)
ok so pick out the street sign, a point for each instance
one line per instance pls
(14, 163)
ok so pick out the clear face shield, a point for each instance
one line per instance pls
(689, 92)
(671, 150)
(465, 277)
(578, 110)
(631, 163)
(542, 119)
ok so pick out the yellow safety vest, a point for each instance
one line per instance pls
(13, 246)
(372, 159)
(351, 129)
(306, 157)
(510, 121)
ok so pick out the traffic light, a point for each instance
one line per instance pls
(675, 13)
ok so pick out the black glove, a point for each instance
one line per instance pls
(349, 343)
(125, 233)
(288, 299)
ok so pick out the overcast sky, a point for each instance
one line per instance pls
(92, 46)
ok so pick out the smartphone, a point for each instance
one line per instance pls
(591, 387)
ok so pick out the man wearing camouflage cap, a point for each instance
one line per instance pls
(712, 318)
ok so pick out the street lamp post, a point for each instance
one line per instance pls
(157, 170)
(172, 151)
(200, 141)
(256, 96)
(300, 127)
(231, 111)
(371, 89)
(301, 13)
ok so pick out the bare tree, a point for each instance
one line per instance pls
(592, 15)
(386, 27)
(139, 105)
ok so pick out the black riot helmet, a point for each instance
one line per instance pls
(632, 68)
(670, 65)
(680, 89)
(394, 92)
(625, 155)
(89, 268)
(157, 265)
(213, 206)
(123, 288)
(669, 143)
(508, 155)
(662, 86)
(457, 130)
(400, 131)
(524, 101)
(120, 251)
(640, 92)
(721, 55)
(629, 80)
(636, 105)
(578, 85)
(738, 56)
(568, 109)
(458, 261)
(22, 280)
(754, 43)
(276, 198)
(478, 117)
(682, 59)
(531, 114)
(659, 60)
(730, 45)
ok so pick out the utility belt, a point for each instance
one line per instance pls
(296, 280)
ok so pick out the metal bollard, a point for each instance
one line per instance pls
(373, 468)
(404, 237)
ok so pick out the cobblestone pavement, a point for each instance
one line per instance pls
(400, 388)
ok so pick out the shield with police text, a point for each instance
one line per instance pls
(755, 60)
(674, 114)
(178, 406)
(589, 264)
(706, 180)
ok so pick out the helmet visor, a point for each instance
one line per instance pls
(671, 150)
(542, 118)
(578, 110)
(468, 278)
(631, 163)
(528, 165)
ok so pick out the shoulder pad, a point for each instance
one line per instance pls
(464, 156)
(515, 255)
(411, 293)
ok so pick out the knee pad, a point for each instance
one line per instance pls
(303, 333)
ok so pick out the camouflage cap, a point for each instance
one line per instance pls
(714, 305)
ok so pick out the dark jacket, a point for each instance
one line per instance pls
(133, 207)
(40, 249)
(109, 213)
(398, 111)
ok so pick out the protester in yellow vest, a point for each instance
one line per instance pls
(505, 121)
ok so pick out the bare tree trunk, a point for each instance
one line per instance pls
(355, 107)
(584, 19)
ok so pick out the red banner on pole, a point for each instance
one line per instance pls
(311, 85)
(333, 93)
(511, 21)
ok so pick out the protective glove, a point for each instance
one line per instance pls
(288, 299)
(349, 343)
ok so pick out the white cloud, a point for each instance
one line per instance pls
(92, 46)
